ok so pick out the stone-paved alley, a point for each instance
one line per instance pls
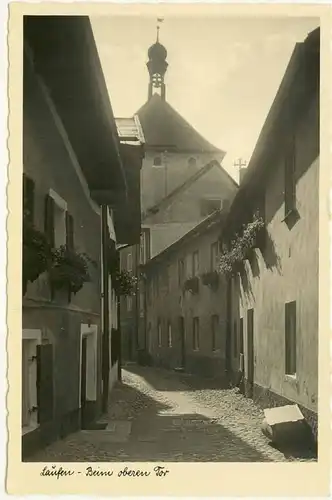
(156, 415)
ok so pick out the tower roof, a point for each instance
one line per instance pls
(165, 128)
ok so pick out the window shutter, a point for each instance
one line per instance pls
(28, 197)
(45, 382)
(49, 219)
(69, 231)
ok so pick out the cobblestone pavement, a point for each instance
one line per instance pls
(156, 415)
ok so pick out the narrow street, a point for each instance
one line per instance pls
(155, 415)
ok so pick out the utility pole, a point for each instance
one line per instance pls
(240, 164)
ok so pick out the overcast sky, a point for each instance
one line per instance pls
(222, 77)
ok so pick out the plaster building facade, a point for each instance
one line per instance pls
(186, 303)
(273, 302)
(75, 180)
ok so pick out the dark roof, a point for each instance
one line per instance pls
(63, 52)
(185, 185)
(164, 127)
(205, 225)
(300, 80)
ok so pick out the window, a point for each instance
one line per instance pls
(148, 292)
(290, 338)
(214, 255)
(235, 340)
(196, 334)
(209, 206)
(290, 181)
(144, 246)
(59, 219)
(182, 271)
(192, 162)
(169, 335)
(129, 303)
(168, 278)
(157, 161)
(160, 338)
(129, 262)
(214, 331)
(28, 198)
(142, 249)
(241, 337)
(195, 269)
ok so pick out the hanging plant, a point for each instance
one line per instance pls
(232, 260)
(211, 279)
(191, 285)
(124, 283)
(36, 252)
(69, 270)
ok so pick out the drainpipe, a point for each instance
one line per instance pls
(106, 333)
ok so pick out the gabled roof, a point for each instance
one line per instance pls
(167, 200)
(165, 128)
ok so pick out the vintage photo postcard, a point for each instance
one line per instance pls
(168, 249)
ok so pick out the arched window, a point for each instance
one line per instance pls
(157, 161)
(192, 162)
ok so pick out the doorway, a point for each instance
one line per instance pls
(250, 353)
(83, 380)
(182, 342)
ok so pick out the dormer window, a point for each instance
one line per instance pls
(157, 162)
(192, 162)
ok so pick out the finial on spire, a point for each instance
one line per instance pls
(159, 21)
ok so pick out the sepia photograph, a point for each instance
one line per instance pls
(170, 240)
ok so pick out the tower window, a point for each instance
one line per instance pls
(157, 161)
(192, 162)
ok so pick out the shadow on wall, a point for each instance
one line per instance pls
(272, 263)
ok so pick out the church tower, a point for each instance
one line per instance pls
(157, 67)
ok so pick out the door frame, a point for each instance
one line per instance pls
(91, 332)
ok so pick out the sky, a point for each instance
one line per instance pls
(222, 77)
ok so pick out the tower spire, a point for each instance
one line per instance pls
(157, 65)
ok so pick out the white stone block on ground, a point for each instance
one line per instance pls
(285, 424)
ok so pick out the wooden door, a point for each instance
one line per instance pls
(250, 352)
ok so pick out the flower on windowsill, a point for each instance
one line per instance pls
(36, 252)
(191, 285)
(232, 259)
(69, 269)
(211, 279)
(124, 283)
